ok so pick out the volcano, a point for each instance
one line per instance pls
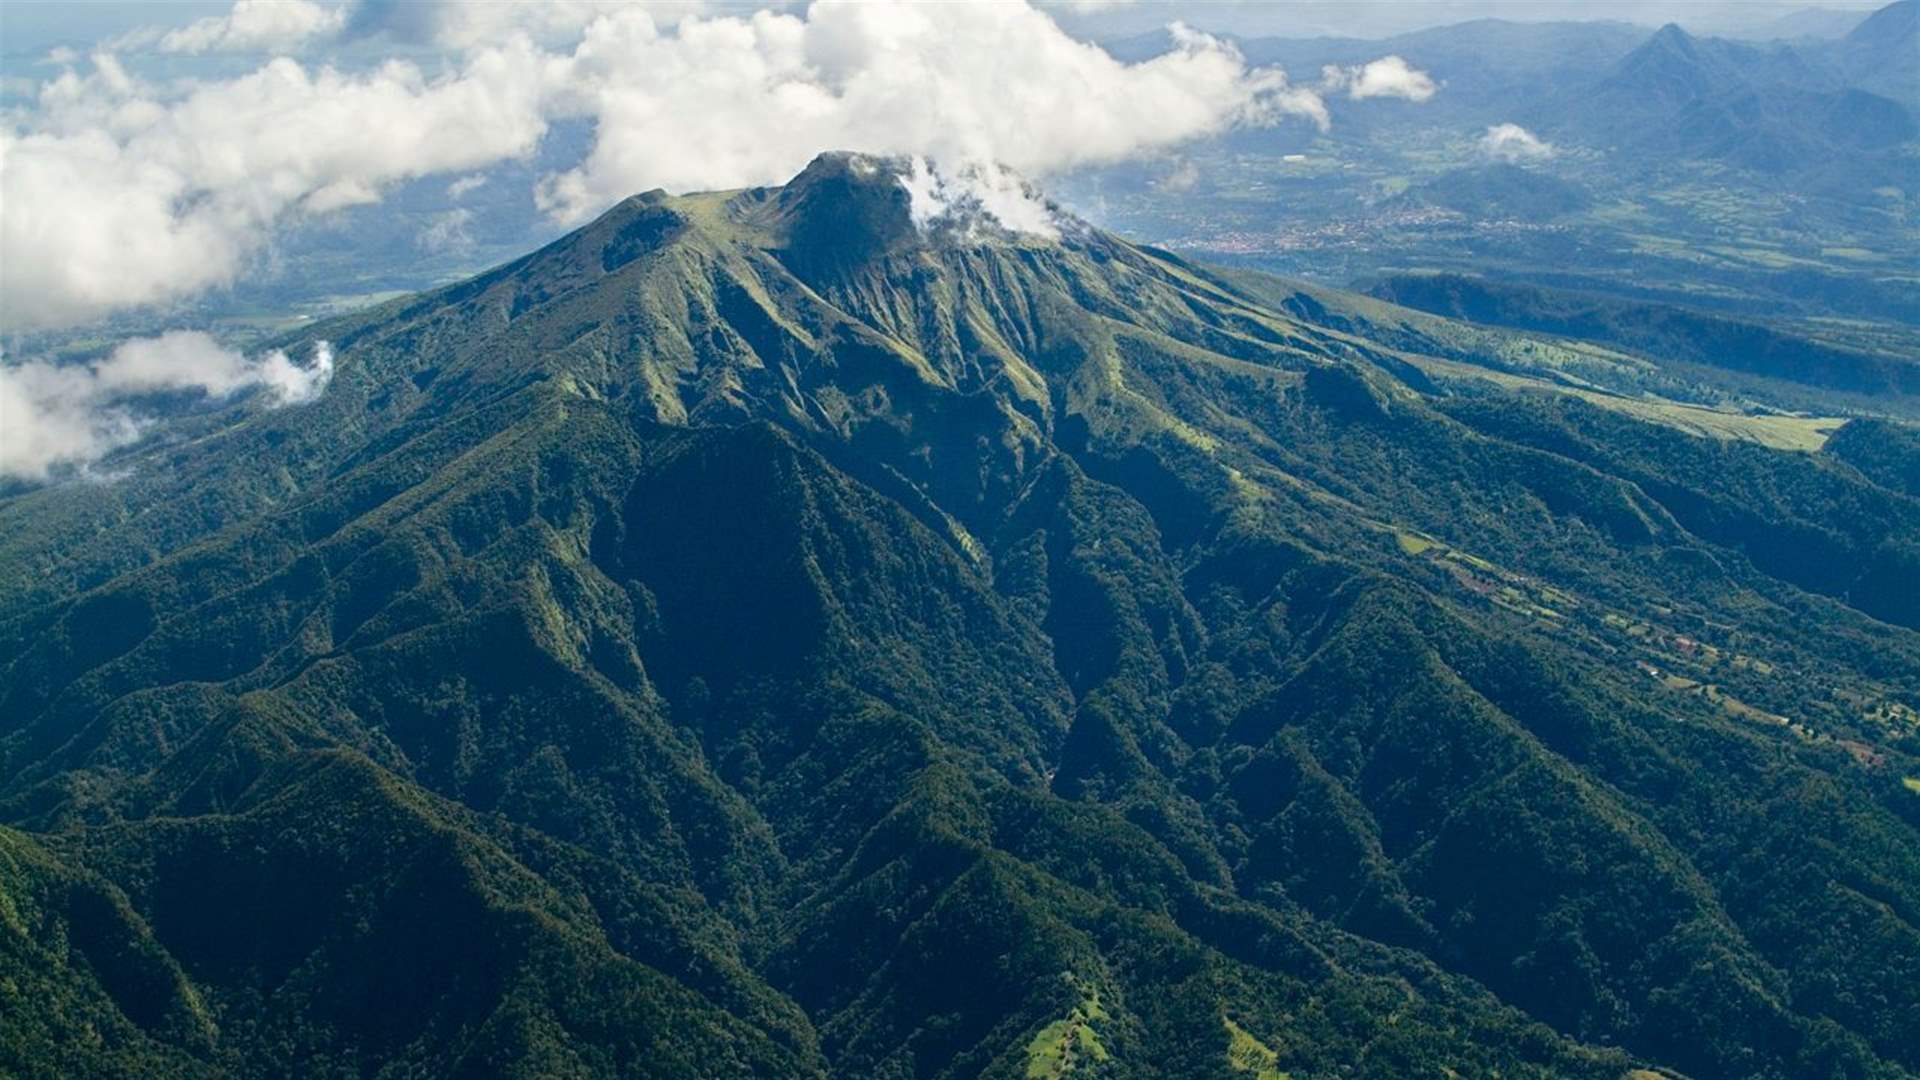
(785, 632)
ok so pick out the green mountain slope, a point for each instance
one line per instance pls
(760, 635)
(1663, 331)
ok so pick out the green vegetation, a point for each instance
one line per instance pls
(713, 647)
(1071, 1045)
(1249, 1055)
(1412, 544)
(1658, 330)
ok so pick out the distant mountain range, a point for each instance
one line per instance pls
(1771, 109)
(765, 634)
(1878, 54)
(1774, 108)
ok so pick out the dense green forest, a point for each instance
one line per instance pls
(758, 636)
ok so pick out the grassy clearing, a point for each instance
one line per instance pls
(1728, 704)
(1766, 258)
(1069, 1044)
(1412, 544)
(1495, 584)
(1735, 707)
(1911, 783)
(1249, 1055)
(1803, 433)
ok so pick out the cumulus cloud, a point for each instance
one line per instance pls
(121, 196)
(746, 101)
(1389, 76)
(271, 25)
(256, 26)
(464, 24)
(54, 416)
(1513, 143)
(117, 193)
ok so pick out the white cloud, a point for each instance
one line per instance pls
(1183, 177)
(460, 188)
(71, 415)
(1513, 143)
(447, 233)
(465, 24)
(468, 24)
(191, 360)
(962, 196)
(726, 102)
(257, 26)
(120, 196)
(1389, 76)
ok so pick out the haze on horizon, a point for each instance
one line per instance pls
(29, 28)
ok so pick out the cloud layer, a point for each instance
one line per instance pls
(118, 193)
(257, 25)
(121, 196)
(749, 101)
(54, 416)
(1387, 77)
(1513, 143)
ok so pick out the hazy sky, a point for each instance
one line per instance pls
(30, 27)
